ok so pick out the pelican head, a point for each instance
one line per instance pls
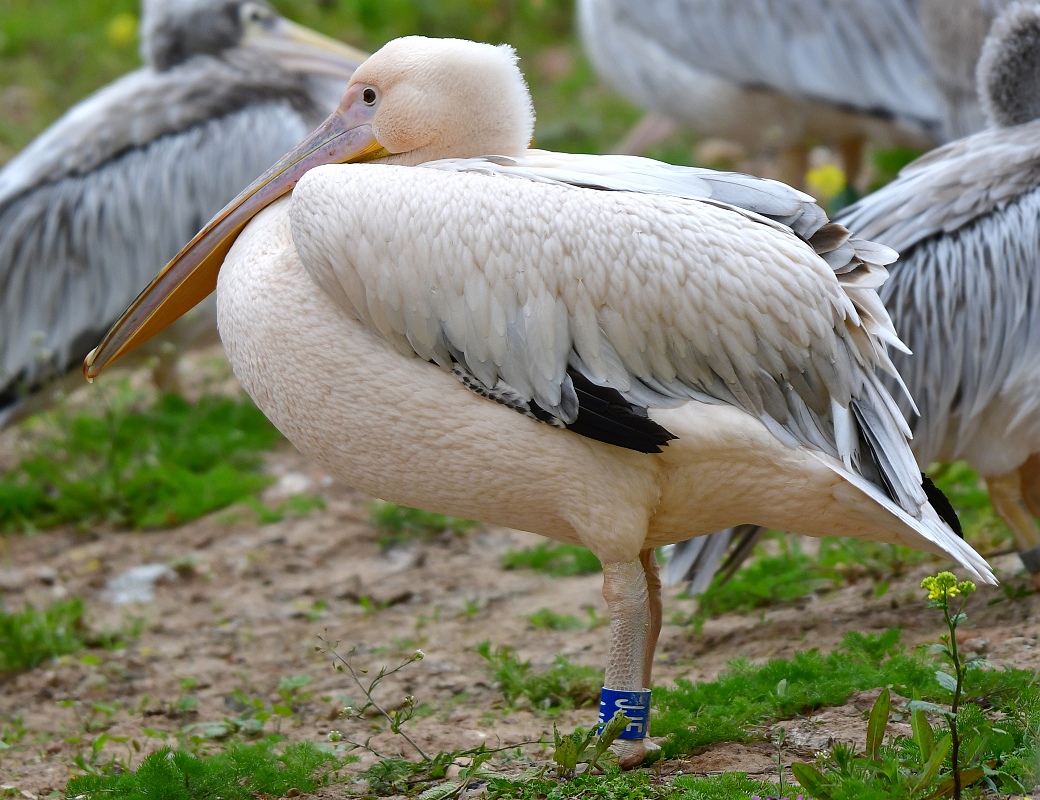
(1008, 72)
(414, 100)
(444, 98)
(174, 31)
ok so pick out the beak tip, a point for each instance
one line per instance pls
(88, 366)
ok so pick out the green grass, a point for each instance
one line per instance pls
(137, 467)
(564, 685)
(242, 772)
(967, 492)
(33, 635)
(559, 560)
(746, 696)
(638, 785)
(1000, 751)
(765, 581)
(400, 524)
(550, 620)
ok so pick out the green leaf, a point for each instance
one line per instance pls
(968, 777)
(946, 680)
(811, 780)
(924, 705)
(613, 729)
(878, 723)
(971, 748)
(476, 767)
(931, 767)
(566, 755)
(924, 736)
(442, 791)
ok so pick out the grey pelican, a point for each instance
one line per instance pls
(123, 178)
(591, 348)
(964, 295)
(955, 31)
(773, 76)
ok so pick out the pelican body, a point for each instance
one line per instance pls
(775, 77)
(955, 31)
(965, 296)
(117, 184)
(589, 348)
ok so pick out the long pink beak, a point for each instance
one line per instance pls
(191, 276)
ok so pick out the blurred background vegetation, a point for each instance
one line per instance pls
(55, 52)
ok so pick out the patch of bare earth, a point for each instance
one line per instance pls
(249, 602)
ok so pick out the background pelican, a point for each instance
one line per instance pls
(773, 76)
(590, 348)
(116, 184)
(955, 31)
(964, 295)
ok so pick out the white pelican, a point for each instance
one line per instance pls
(123, 178)
(965, 295)
(591, 348)
(773, 76)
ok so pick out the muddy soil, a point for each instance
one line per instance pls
(247, 603)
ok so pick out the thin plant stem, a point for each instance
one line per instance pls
(368, 695)
(955, 739)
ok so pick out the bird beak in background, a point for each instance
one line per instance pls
(302, 51)
(191, 276)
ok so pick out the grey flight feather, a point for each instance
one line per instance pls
(951, 187)
(965, 294)
(75, 251)
(868, 55)
(146, 105)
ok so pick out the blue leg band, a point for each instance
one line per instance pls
(634, 705)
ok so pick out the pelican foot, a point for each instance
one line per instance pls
(631, 752)
(1031, 561)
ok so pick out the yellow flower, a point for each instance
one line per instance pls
(944, 585)
(121, 30)
(826, 181)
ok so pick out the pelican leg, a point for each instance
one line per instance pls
(852, 160)
(631, 633)
(1006, 494)
(794, 164)
(1029, 473)
(653, 585)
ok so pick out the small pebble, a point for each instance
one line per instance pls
(137, 585)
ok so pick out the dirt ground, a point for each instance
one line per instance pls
(248, 603)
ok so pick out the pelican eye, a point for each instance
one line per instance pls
(254, 14)
(369, 96)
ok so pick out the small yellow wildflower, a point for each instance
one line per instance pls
(121, 30)
(944, 586)
(826, 181)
